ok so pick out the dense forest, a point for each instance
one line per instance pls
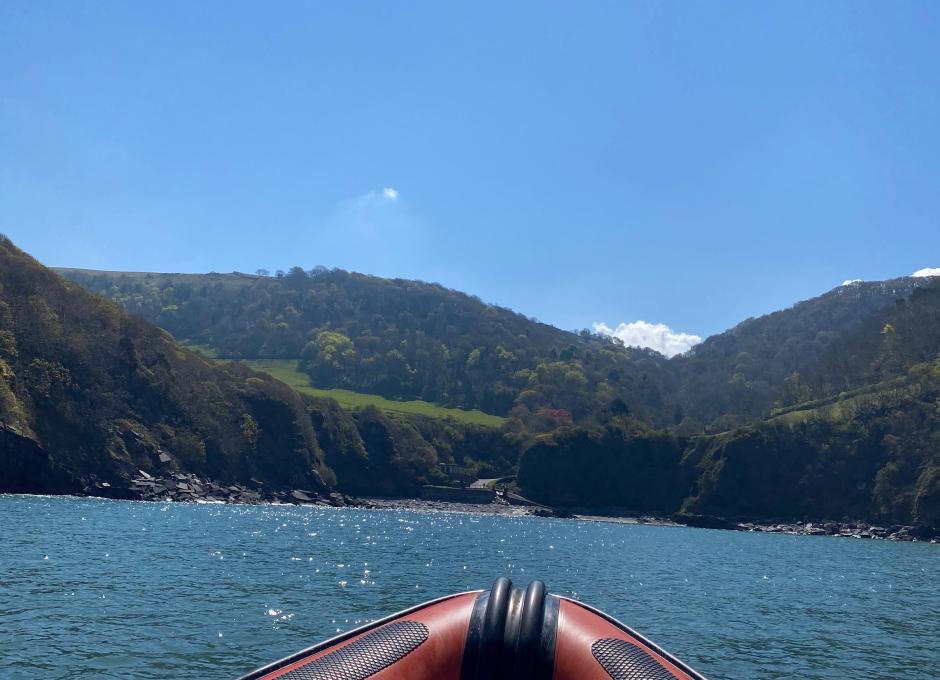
(875, 456)
(399, 339)
(90, 394)
(744, 373)
(87, 390)
(412, 340)
(828, 409)
(863, 441)
(376, 453)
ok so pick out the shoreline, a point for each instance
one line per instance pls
(188, 488)
(853, 529)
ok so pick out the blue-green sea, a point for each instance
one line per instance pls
(112, 589)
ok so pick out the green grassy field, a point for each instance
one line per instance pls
(204, 350)
(846, 405)
(286, 371)
(230, 280)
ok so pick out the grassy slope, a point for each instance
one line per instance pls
(286, 370)
(844, 406)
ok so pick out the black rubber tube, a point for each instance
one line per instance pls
(507, 638)
(545, 664)
(527, 648)
(494, 626)
(494, 621)
(483, 650)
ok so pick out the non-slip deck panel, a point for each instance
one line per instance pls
(366, 656)
(625, 661)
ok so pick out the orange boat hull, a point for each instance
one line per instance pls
(495, 634)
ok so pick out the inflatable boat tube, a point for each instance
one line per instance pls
(504, 633)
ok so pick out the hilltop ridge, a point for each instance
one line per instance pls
(410, 340)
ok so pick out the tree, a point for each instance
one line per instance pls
(296, 277)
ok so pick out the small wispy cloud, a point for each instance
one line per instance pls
(849, 282)
(375, 199)
(372, 232)
(927, 271)
(656, 336)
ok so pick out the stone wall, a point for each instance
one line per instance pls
(455, 495)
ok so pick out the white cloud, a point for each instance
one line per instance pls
(374, 233)
(656, 336)
(375, 200)
(927, 271)
(849, 282)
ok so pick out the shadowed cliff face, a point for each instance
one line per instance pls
(25, 467)
(872, 455)
(86, 389)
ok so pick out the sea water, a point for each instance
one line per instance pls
(115, 589)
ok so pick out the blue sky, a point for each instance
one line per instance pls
(688, 164)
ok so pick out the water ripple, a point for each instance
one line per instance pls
(146, 590)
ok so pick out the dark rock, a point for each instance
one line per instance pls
(105, 490)
(704, 521)
(26, 467)
(924, 533)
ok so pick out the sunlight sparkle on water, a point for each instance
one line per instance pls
(297, 575)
